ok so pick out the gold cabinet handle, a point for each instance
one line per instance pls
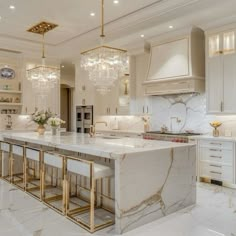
(221, 106)
(216, 150)
(216, 172)
(216, 157)
(216, 166)
(216, 144)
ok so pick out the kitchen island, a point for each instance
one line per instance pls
(152, 178)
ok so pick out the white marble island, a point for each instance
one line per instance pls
(152, 178)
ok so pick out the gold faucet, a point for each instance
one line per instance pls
(92, 131)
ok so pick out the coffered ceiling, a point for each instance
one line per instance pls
(79, 30)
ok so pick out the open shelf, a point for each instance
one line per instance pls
(10, 104)
(11, 91)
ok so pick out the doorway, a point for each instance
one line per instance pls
(66, 104)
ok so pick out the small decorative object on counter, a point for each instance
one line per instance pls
(215, 125)
(41, 118)
(146, 124)
(55, 122)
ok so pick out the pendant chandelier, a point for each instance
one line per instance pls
(105, 64)
(43, 77)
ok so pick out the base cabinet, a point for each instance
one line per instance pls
(217, 161)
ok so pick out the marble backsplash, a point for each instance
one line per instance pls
(127, 123)
(19, 122)
(190, 109)
(191, 112)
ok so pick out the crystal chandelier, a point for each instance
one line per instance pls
(104, 64)
(43, 77)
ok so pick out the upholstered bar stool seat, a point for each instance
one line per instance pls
(32, 165)
(6, 161)
(53, 167)
(88, 214)
(18, 165)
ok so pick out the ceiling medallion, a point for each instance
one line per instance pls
(43, 77)
(42, 28)
(105, 64)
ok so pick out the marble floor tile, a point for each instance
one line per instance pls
(213, 215)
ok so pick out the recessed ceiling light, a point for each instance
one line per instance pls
(171, 26)
(115, 1)
(92, 14)
(142, 35)
(62, 66)
(12, 7)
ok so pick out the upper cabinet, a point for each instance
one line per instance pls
(177, 64)
(221, 73)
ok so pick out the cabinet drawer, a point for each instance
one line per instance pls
(216, 144)
(5, 147)
(216, 172)
(216, 155)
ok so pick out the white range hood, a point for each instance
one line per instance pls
(177, 65)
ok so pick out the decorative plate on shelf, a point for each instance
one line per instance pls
(7, 73)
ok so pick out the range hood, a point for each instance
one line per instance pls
(178, 65)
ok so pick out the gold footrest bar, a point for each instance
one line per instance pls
(53, 199)
(33, 188)
(78, 210)
(87, 226)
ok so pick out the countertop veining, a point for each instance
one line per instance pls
(103, 146)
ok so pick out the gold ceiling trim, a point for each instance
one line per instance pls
(42, 27)
(118, 49)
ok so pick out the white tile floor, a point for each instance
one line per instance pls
(214, 215)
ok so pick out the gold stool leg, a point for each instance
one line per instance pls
(42, 182)
(92, 188)
(10, 167)
(0, 163)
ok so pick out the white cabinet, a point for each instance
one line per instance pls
(217, 161)
(108, 104)
(34, 100)
(84, 88)
(28, 98)
(221, 73)
(142, 104)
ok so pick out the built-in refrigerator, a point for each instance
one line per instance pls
(84, 118)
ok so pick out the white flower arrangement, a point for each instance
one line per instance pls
(55, 121)
(41, 117)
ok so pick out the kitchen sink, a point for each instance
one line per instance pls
(108, 137)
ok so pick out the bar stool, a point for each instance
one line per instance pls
(32, 171)
(6, 161)
(53, 190)
(17, 174)
(87, 210)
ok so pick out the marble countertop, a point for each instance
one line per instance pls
(103, 146)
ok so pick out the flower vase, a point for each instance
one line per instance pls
(216, 132)
(41, 129)
(54, 131)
